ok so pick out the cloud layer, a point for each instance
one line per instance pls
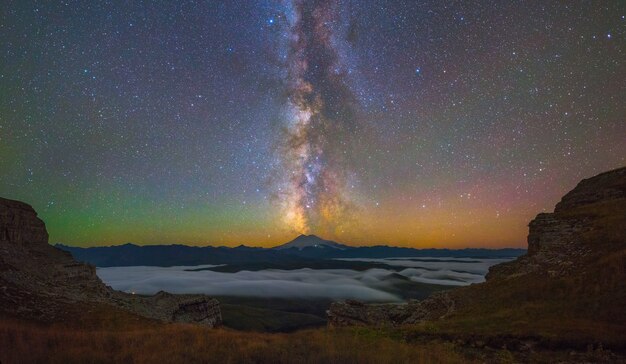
(370, 285)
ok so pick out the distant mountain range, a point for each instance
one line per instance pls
(303, 251)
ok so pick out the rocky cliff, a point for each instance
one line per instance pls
(39, 281)
(19, 223)
(571, 282)
(588, 223)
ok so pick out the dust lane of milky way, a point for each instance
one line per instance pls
(319, 122)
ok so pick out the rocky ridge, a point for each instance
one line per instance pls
(39, 281)
(576, 260)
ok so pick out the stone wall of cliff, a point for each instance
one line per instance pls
(580, 249)
(38, 281)
(19, 223)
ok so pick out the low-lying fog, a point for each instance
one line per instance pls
(370, 285)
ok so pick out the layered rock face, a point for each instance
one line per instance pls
(19, 223)
(356, 313)
(588, 222)
(30, 268)
(581, 246)
(38, 281)
(549, 233)
(163, 306)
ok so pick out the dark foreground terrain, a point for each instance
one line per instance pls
(562, 302)
(116, 337)
(569, 291)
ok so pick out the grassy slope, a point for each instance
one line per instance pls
(116, 337)
(266, 320)
(584, 307)
(177, 343)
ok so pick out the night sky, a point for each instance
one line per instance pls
(411, 123)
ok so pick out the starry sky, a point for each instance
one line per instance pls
(409, 123)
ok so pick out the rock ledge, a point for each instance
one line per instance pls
(37, 280)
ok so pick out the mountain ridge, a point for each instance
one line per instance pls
(177, 255)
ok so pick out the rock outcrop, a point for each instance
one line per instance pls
(163, 306)
(39, 281)
(356, 313)
(19, 223)
(588, 222)
(576, 260)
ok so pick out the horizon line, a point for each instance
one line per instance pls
(259, 247)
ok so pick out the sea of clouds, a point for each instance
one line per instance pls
(369, 285)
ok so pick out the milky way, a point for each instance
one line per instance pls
(417, 123)
(318, 124)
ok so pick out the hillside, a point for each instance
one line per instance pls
(43, 283)
(569, 290)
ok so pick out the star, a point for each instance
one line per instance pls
(319, 116)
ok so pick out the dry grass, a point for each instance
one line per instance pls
(22, 342)
(570, 311)
(585, 306)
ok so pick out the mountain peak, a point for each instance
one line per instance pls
(310, 241)
(312, 236)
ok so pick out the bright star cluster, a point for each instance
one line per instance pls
(414, 123)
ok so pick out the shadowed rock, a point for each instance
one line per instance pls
(38, 281)
(356, 313)
(580, 249)
(19, 223)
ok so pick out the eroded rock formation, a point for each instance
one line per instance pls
(589, 222)
(19, 223)
(38, 281)
(356, 313)
(576, 257)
